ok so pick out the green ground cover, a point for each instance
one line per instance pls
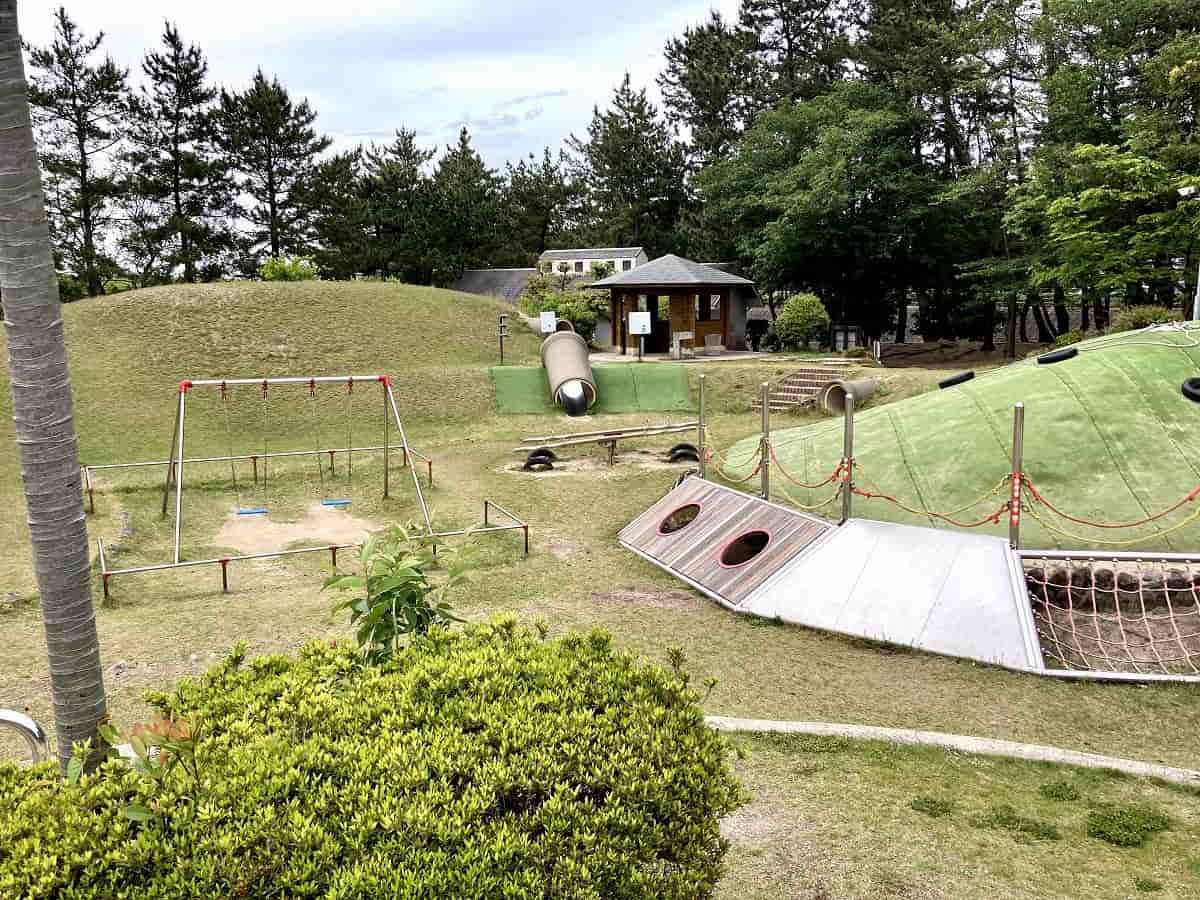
(1109, 437)
(620, 388)
(128, 353)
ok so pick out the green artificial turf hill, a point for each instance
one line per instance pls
(620, 388)
(1109, 437)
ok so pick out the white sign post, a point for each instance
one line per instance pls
(639, 324)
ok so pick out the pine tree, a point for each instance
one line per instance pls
(341, 216)
(79, 106)
(634, 172)
(181, 181)
(399, 195)
(537, 199)
(467, 205)
(710, 84)
(270, 141)
(802, 45)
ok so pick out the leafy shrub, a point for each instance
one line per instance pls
(117, 286)
(1125, 826)
(288, 268)
(1068, 338)
(802, 318)
(581, 308)
(932, 807)
(71, 289)
(398, 597)
(1148, 885)
(1130, 318)
(481, 763)
(1024, 830)
(1062, 791)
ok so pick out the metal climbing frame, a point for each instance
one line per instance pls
(176, 462)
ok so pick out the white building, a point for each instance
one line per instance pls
(579, 262)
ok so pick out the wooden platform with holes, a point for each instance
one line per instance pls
(708, 535)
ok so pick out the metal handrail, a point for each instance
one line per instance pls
(30, 730)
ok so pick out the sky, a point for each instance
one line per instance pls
(521, 75)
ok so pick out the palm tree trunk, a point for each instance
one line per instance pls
(42, 411)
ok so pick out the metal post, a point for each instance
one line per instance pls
(848, 456)
(171, 467)
(1014, 503)
(764, 447)
(525, 528)
(386, 441)
(1196, 302)
(641, 345)
(700, 432)
(503, 334)
(224, 576)
(254, 463)
(485, 513)
(179, 471)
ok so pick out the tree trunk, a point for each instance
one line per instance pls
(1010, 336)
(1085, 309)
(1023, 322)
(1062, 315)
(42, 411)
(1100, 311)
(1046, 333)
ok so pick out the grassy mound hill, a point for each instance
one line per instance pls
(1108, 437)
(129, 351)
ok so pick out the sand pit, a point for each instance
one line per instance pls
(598, 465)
(321, 525)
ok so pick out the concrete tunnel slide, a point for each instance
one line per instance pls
(572, 385)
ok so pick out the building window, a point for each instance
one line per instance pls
(641, 303)
(578, 267)
(626, 265)
(702, 310)
(714, 307)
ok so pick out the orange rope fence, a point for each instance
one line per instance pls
(1041, 498)
(847, 469)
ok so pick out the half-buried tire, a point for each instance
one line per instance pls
(956, 379)
(1057, 355)
(1191, 389)
(682, 446)
(537, 464)
(685, 456)
(543, 451)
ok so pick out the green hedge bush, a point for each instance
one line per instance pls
(802, 319)
(1130, 318)
(288, 268)
(483, 763)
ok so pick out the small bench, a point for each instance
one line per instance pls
(677, 340)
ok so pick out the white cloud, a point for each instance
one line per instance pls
(521, 75)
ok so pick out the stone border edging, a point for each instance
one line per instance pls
(964, 743)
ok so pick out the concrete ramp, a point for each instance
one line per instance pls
(940, 591)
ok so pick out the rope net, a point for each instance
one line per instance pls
(1120, 615)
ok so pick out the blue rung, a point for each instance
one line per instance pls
(335, 502)
(254, 511)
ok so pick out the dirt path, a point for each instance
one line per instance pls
(320, 525)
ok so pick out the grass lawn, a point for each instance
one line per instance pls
(843, 825)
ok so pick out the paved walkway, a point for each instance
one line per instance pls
(962, 743)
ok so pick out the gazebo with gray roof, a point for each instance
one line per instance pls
(681, 296)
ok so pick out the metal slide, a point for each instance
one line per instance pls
(565, 356)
